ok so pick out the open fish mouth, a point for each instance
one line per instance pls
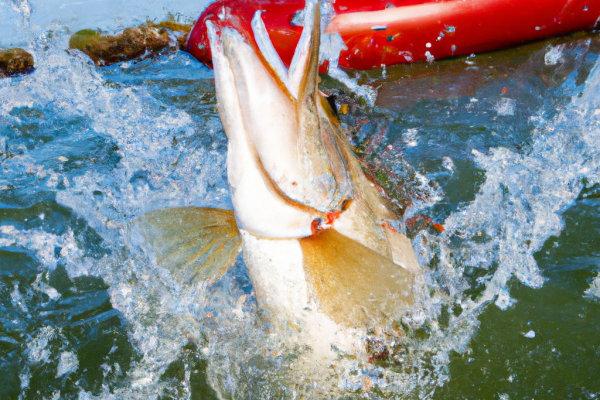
(289, 161)
(278, 128)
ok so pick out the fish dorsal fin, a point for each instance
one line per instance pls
(353, 284)
(195, 244)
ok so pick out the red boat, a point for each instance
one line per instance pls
(388, 32)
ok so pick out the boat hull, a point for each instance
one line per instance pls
(391, 32)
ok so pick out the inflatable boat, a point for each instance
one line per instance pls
(374, 33)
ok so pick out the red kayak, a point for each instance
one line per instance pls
(389, 32)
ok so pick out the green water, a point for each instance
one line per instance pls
(563, 360)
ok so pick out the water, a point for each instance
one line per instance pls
(501, 149)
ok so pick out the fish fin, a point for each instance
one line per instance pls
(353, 284)
(195, 244)
(360, 223)
(402, 251)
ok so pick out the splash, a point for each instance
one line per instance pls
(22, 7)
(68, 364)
(152, 172)
(524, 195)
(594, 289)
(506, 107)
(554, 55)
(154, 152)
(330, 49)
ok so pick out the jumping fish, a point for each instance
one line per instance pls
(316, 233)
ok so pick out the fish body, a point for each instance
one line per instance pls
(316, 233)
(310, 220)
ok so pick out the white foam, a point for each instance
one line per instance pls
(37, 349)
(17, 299)
(410, 137)
(504, 301)
(594, 289)
(529, 335)
(506, 106)
(554, 55)
(42, 243)
(448, 163)
(25, 378)
(67, 364)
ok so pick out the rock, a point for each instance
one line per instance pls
(181, 31)
(132, 43)
(145, 40)
(14, 62)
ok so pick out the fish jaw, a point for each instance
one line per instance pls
(258, 205)
(284, 147)
(280, 111)
(269, 116)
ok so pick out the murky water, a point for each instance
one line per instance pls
(502, 149)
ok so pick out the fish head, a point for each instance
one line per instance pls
(278, 123)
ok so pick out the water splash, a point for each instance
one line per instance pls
(24, 8)
(594, 289)
(524, 195)
(155, 152)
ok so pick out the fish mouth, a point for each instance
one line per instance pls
(281, 129)
(290, 168)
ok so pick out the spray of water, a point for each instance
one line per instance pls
(163, 156)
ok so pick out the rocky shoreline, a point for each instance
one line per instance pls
(144, 41)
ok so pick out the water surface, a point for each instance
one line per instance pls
(502, 149)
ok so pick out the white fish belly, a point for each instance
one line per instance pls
(276, 269)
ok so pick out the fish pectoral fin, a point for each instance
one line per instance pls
(195, 244)
(353, 284)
